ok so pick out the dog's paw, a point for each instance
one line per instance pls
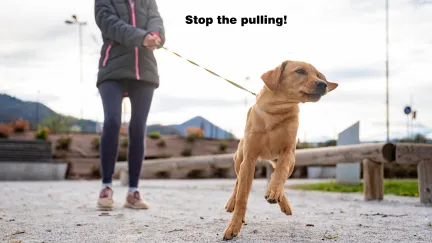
(274, 194)
(232, 230)
(229, 207)
(285, 206)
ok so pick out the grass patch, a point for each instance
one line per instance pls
(155, 135)
(395, 187)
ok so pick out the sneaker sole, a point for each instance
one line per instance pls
(128, 205)
(105, 207)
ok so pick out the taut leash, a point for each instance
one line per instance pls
(208, 70)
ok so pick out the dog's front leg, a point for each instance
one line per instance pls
(245, 179)
(275, 191)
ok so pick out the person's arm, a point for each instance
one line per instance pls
(116, 29)
(155, 23)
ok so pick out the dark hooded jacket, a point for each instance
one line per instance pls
(124, 24)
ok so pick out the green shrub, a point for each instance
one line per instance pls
(5, 130)
(42, 134)
(95, 171)
(304, 145)
(191, 138)
(20, 126)
(223, 145)
(186, 152)
(95, 143)
(63, 143)
(124, 143)
(60, 155)
(122, 155)
(161, 143)
(154, 135)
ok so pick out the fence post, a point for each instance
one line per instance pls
(424, 171)
(373, 180)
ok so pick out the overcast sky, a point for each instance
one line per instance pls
(344, 39)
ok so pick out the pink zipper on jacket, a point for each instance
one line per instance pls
(132, 6)
(107, 53)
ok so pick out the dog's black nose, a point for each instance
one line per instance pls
(321, 86)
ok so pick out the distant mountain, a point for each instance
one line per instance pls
(210, 129)
(164, 130)
(12, 108)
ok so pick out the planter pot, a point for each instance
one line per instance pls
(32, 171)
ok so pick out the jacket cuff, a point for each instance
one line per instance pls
(139, 41)
(161, 37)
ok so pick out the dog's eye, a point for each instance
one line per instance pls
(301, 71)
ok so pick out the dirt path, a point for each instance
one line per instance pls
(193, 211)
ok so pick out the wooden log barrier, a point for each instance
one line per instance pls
(424, 171)
(373, 180)
(420, 154)
(372, 155)
(413, 153)
(378, 152)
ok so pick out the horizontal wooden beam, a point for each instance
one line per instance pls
(413, 153)
(378, 152)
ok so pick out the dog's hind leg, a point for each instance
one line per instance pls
(245, 179)
(231, 201)
(238, 158)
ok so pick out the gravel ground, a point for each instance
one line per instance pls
(193, 211)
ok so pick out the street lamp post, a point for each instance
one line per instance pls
(80, 25)
(387, 73)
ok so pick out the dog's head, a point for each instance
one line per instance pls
(298, 82)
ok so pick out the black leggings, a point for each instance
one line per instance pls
(112, 94)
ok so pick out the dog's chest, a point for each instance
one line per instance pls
(275, 142)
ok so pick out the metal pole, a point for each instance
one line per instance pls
(81, 69)
(37, 110)
(80, 24)
(80, 50)
(411, 120)
(387, 72)
(408, 134)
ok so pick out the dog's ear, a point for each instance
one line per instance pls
(330, 86)
(272, 78)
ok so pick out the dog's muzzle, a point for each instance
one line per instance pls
(320, 87)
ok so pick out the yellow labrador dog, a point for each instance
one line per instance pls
(271, 133)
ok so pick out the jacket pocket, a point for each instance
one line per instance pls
(107, 54)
